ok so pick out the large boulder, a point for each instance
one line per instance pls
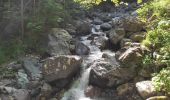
(146, 89)
(116, 35)
(83, 28)
(129, 23)
(59, 42)
(131, 57)
(108, 73)
(60, 69)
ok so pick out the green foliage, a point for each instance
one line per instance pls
(162, 81)
(159, 8)
(10, 50)
(158, 40)
(147, 61)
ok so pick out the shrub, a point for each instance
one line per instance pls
(162, 81)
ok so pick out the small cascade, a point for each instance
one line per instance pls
(77, 90)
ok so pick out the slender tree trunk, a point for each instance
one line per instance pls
(22, 19)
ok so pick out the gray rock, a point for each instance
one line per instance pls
(132, 57)
(146, 89)
(105, 26)
(82, 49)
(60, 69)
(129, 23)
(59, 42)
(21, 94)
(32, 68)
(97, 21)
(116, 35)
(100, 42)
(106, 73)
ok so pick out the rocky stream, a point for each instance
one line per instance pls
(97, 58)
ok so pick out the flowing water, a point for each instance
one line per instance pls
(77, 90)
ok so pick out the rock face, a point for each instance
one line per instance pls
(60, 68)
(82, 49)
(106, 73)
(116, 35)
(59, 42)
(146, 89)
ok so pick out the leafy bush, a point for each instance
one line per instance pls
(159, 8)
(158, 40)
(162, 81)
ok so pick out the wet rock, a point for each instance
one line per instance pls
(82, 49)
(60, 69)
(32, 68)
(22, 79)
(97, 21)
(158, 98)
(146, 89)
(100, 42)
(116, 35)
(92, 92)
(59, 42)
(109, 73)
(83, 28)
(105, 26)
(131, 57)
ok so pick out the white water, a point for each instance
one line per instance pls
(77, 90)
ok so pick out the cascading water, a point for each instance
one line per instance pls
(77, 90)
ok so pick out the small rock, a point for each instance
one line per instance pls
(105, 26)
(116, 35)
(100, 42)
(146, 89)
(82, 49)
(97, 21)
